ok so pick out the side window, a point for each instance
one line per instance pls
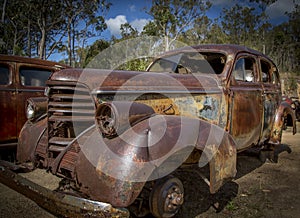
(275, 75)
(4, 75)
(244, 70)
(266, 70)
(33, 76)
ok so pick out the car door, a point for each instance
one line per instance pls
(8, 99)
(30, 83)
(246, 106)
(271, 95)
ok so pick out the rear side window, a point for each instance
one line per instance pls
(265, 70)
(34, 76)
(269, 72)
(4, 75)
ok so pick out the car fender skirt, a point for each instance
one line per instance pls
(115, 170)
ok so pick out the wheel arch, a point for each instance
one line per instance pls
(283, 112)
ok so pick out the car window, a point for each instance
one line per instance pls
(266, 71)
(244, 70)
(190, 62)
(274, 75)
(4, 75)
(34, 76)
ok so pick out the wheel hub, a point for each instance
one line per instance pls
(174, 199)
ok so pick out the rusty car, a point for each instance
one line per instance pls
(121, 137)
(20, 79)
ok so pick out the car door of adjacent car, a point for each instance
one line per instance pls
(8, 99)
(246, 106)
(31, 83)
(271, 95)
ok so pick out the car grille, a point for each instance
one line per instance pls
(71, 110)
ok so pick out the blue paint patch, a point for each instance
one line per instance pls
(210, 108)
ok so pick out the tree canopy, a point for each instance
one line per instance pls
(39, 28)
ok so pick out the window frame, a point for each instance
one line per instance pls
(254, 70)
(10, 76)
(271, 72)
(36, 68)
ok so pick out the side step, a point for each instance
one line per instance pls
(59, 204)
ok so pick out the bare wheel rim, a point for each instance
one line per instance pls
(166, 197)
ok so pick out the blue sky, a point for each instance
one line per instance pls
(133, 12)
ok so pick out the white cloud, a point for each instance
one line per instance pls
(114, 24)
(278, 8)
(139, 24)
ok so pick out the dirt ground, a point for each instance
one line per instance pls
(260, 190)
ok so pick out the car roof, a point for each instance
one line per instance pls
(21, 59)
(228, 49)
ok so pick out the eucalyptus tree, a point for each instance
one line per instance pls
(173, 17)
(90, 15)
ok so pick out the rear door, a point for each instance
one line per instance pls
(246, 106)
(271, 95)
(31, 83)
(8, 99)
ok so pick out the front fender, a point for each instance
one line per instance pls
(119, 167)
(283, 111)
(29, 138)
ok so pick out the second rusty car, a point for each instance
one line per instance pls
(121, 137)
(20, 79)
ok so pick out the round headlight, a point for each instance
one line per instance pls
(29, 112)
(106, 120)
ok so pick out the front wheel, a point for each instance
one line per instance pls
(166, 197)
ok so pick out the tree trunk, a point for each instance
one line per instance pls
(42, 44)
(15, 43)
(3, 11)
(69, 42)
(73, 44)
(29, 38)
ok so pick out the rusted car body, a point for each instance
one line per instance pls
(20, 79)
(113, 133)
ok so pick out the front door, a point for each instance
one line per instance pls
(246, 106)
(31, 84)
(8, 100)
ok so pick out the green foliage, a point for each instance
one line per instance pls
(136, 65)
(241, 25)
(172, 17)
(38, 28)
(127, 31)
(94, 50)
(231, 206)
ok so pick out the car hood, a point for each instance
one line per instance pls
(99, 81)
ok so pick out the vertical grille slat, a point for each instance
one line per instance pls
(70, 111)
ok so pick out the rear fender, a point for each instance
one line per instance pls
(283, 111)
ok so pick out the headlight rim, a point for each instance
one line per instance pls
(30, 111)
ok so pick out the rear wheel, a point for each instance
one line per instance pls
(166, 197)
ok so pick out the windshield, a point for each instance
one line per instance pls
(190, 62)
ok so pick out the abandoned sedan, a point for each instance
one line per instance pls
(122, 137)
(20, 79)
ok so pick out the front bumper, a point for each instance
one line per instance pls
(57, 203)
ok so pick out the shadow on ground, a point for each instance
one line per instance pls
(197, 196)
